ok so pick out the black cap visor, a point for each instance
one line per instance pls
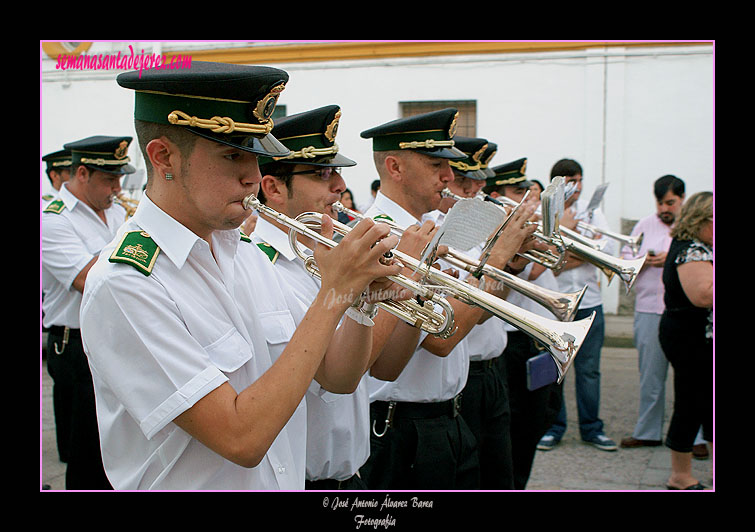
(267, 145)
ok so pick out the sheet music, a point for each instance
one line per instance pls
(468, 223)
(597, 197)
(552, 205)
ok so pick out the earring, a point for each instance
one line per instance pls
(168, 177)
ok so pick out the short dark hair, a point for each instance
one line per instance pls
(566, 168)
(668, 182)
(375, 186)
(281, 172)
(487, 189)
(147, 131)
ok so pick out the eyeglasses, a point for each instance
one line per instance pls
(323, 173)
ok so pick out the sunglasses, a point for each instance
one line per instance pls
(323, 173)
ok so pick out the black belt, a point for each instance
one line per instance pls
(66, 333)
(60, 330)
(480, 366)
(399, 409)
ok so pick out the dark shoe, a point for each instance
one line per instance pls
(700, 451)
(697, 486)
(602, 442)
(547, 443)
(631, 442)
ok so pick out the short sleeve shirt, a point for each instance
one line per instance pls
(338, 429)
(72, 234)
(158, 343)
(427, 377)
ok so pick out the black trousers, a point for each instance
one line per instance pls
(428, 446)
(532, 412)
(691, 356)
(486, 410)
(80, 435)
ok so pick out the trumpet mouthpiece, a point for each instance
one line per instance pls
(251, 202)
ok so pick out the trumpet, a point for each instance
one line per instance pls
(562, 339)
(626, 269)
(420, 314)
(563, 306)
(127, 203)
(634, 242)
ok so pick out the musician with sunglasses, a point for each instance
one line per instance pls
(201, 352)
(309, 180)
(419, 439)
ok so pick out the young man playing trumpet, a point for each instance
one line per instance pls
(419, 440)
(201, 352)
(309, 180)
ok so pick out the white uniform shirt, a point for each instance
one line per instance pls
(202, 318)
(338, 425)
(488, 339)
(587, 274)
(427, 377)
(70, 240)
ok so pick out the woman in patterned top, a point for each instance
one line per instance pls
(686, 334)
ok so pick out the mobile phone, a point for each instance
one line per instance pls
(651, 252)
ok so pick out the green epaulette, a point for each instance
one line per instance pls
(269, 250)
(137, 249)
(55, 207)
(382, 217)
(244, 238)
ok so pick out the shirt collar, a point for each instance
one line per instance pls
(397, 213)
(175, 240)
(67, 196)
(274, 237)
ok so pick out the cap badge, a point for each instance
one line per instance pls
(477, 156)
(452, 127)
(332, 130)
(266, 105)
(120, 152)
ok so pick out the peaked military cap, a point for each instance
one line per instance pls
(474, 149)
(311, 137)
(490, 152)
(58, 160)
(512, 173)
(428, 133)
(230, 104)
(106, 154)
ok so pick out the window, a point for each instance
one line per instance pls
(278, 112)
(466, 126)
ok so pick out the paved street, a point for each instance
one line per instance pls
(572, 465)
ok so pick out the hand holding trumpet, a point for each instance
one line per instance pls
(516, 236)
(357, 262)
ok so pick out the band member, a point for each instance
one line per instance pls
(58, 168)
(485, 406)
(419, 440)
(76, 226)
(200, 350)
(532, 411)
(309, 180)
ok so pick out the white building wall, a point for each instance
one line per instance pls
(627, 115)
